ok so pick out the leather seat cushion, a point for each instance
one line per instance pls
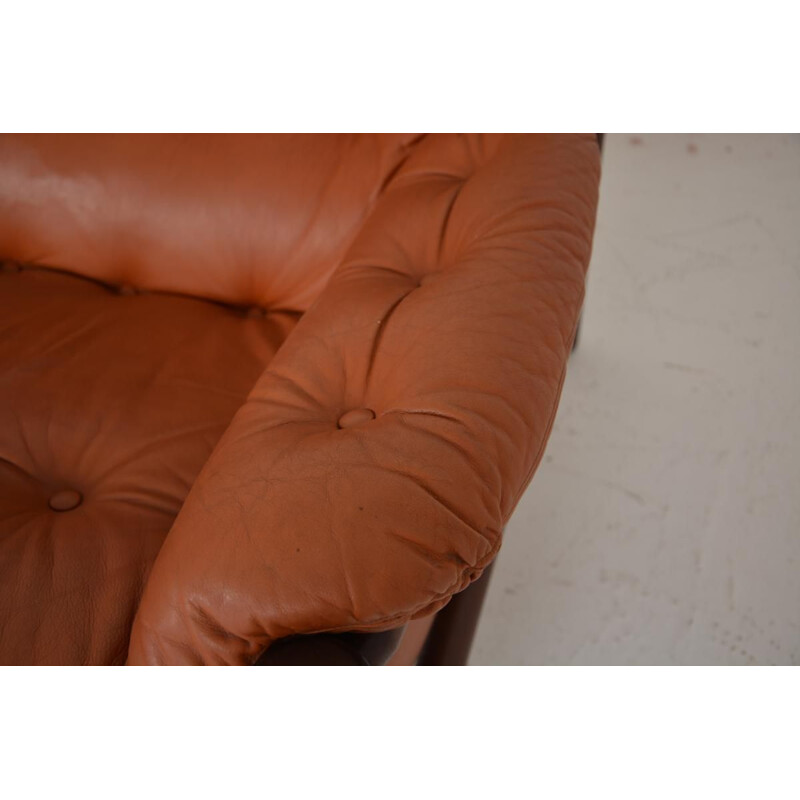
(120, 397)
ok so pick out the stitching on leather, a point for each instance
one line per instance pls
(447, 214)
(410, 148)
(379, 335)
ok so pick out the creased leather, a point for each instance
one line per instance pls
(451, 317)
(249, 220)
(121, 398)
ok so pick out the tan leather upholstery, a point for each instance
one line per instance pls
(365, 469)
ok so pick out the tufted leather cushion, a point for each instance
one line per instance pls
(110, 403)
(244, 219)
(371, 471)
(163, 464)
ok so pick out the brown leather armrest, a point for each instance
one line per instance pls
(333, 650)
(370, 474)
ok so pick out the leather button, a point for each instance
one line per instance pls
(65, 500)
(358, 416)
(255, 313)
(10, 266)
(126, 290)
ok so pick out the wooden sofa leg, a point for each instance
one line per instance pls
(450, 639)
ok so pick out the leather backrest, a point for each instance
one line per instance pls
(253, 220)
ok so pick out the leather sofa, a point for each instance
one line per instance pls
(258, 390)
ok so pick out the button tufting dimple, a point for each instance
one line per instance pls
(126, 290)
(65, 500)
(357, 416)
(255, 313)
(426, 278)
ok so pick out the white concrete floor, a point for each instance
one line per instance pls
(663, 526)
